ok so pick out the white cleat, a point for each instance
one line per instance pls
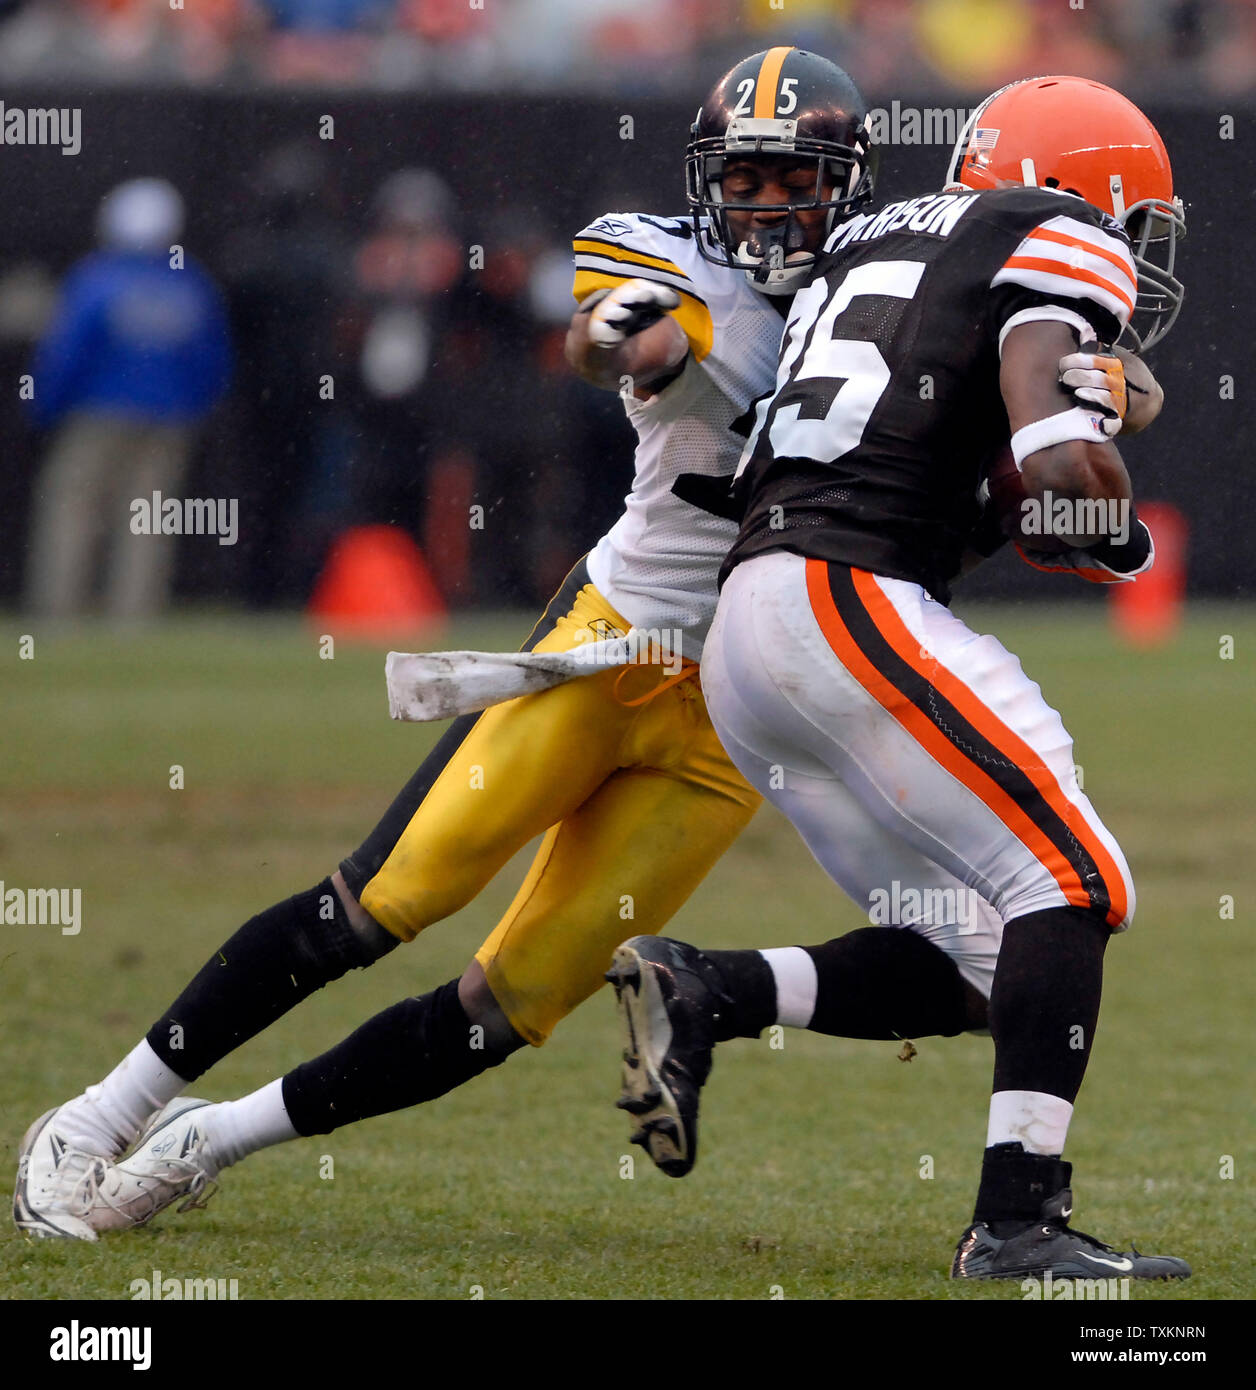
(56, 1183)
(170, 1162)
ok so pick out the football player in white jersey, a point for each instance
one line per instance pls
(621, 771)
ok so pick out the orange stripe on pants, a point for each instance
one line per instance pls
(895, 633)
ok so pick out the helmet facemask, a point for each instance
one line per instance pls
(1154, 227)
(776, 259)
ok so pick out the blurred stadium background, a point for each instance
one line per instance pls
(500, 128)
(458, 127)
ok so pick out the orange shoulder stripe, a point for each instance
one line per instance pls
(1063, 239)
(1069, 272)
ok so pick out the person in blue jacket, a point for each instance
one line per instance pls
(136, 355)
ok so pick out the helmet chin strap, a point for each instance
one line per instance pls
(774, 245)
(772, 248)
(785, 279)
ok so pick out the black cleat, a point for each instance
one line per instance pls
(669, 999)
(1050, 1244)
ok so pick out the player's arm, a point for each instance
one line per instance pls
(1117, 382)
(628, 333)
(1060, 448)
(1069, 281)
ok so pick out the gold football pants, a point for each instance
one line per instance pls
(624, 775)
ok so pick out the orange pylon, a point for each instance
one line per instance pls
(376, 584)
(1148, 611)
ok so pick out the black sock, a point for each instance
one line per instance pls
(273, 962)
(1043, 1011)
(415, 1051)
(1045, 1001)
(889, 982)
(876, 982)
(748, 1005)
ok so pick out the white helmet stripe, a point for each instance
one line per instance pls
(961, 145)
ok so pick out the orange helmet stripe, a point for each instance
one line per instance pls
(766, 83)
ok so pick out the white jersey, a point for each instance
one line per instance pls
(658, 565)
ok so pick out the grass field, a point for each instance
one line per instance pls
(810, 1177)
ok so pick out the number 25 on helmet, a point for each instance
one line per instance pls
(793, 106)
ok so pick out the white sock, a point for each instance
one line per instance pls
(108, 1117)
(1038, 1122)
(796, 984)
(237, 1128)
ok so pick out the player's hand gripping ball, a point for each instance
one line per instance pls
(1096, 378)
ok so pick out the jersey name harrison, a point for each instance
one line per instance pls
(934, 214)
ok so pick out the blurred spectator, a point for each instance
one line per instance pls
(637, 45)
(975, 43)
(322, 16)
(286, 276)
(407, 398)
(531, 469)
(135, 357)
(440, 21)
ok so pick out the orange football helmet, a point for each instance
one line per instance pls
(1084, 138)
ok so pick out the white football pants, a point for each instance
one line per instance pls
(923, 768)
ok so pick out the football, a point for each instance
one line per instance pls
(1006, 488)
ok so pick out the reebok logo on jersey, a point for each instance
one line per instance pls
(611, 226)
